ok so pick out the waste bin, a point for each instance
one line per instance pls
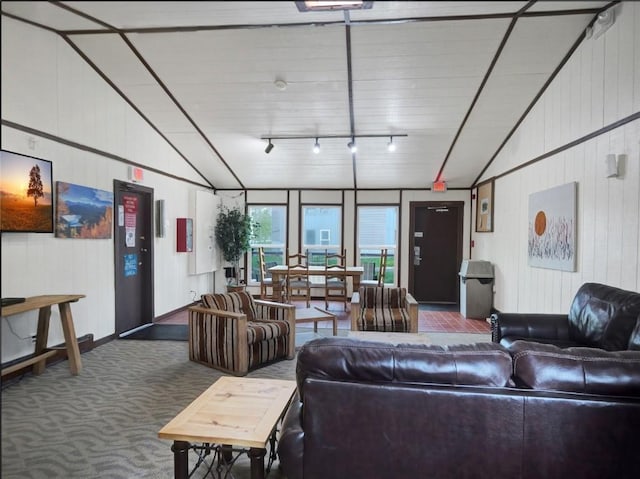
(476, 289)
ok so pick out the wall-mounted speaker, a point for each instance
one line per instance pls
(612, 166)
(160, 231)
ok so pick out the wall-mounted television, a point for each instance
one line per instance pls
(26, 199)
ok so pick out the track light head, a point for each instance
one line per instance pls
(316, 147)
(391, 146)
(269, 147)
(352, 145)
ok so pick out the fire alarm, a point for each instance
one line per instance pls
(136, 174)
(184, 235)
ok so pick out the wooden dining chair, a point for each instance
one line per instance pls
(382, 271)
(378, 280)
(267, 289)
(298, 283)
(335, 285)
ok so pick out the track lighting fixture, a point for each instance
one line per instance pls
(391, 146)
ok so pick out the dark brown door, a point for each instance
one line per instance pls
(133, 255)
(435, 248)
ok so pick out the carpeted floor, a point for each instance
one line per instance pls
(104, 422)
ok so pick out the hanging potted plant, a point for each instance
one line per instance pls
(233, 235)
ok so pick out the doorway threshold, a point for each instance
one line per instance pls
(127, 333)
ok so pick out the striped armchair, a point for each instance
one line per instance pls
(378, 308)
(234, 333)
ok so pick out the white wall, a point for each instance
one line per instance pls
(46, 86)
(597, 87)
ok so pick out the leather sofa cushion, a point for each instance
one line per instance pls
(578, 369)
(236, 302)
(634, 340)
(603, 316)
(345, 359)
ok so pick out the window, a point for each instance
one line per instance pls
(269, 233)
(378, 229)
(322, 227)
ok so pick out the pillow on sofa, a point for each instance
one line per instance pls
(345, 359)
(236, 302)
(579, 369)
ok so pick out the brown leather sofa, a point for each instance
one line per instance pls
(373, 410)
(600, 316)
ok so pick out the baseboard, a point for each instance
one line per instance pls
(85, 343)
(175, 311)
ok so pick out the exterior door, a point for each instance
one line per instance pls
(435, 246)
(133, 255)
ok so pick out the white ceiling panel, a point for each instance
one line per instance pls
(204, 74)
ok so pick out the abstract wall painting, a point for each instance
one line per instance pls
(83, 212)
(552, 228)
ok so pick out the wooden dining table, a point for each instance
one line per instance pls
(280, 272)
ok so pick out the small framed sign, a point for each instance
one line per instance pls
(484, 208)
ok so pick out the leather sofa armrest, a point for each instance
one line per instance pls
(529, 326)
(291, 441)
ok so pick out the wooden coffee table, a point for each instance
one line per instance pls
(313, 315)
(236, 415)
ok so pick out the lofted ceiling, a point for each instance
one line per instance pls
(450, 81)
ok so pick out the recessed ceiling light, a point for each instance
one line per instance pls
(314, 6)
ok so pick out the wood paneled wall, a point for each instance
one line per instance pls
(598, 87)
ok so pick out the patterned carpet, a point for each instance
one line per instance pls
(104, 422)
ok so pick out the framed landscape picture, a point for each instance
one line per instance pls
(83, 212)
(26, 202)
(484, 208)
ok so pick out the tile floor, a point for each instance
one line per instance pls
(431, 319)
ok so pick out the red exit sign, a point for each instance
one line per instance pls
(439, 186)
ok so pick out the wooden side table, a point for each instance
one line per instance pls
(44, 303)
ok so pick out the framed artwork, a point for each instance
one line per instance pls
(484, 208)
(83, 212)
(552, 228)
(26, 194)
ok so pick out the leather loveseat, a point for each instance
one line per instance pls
(600, 316)
(374, 410)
